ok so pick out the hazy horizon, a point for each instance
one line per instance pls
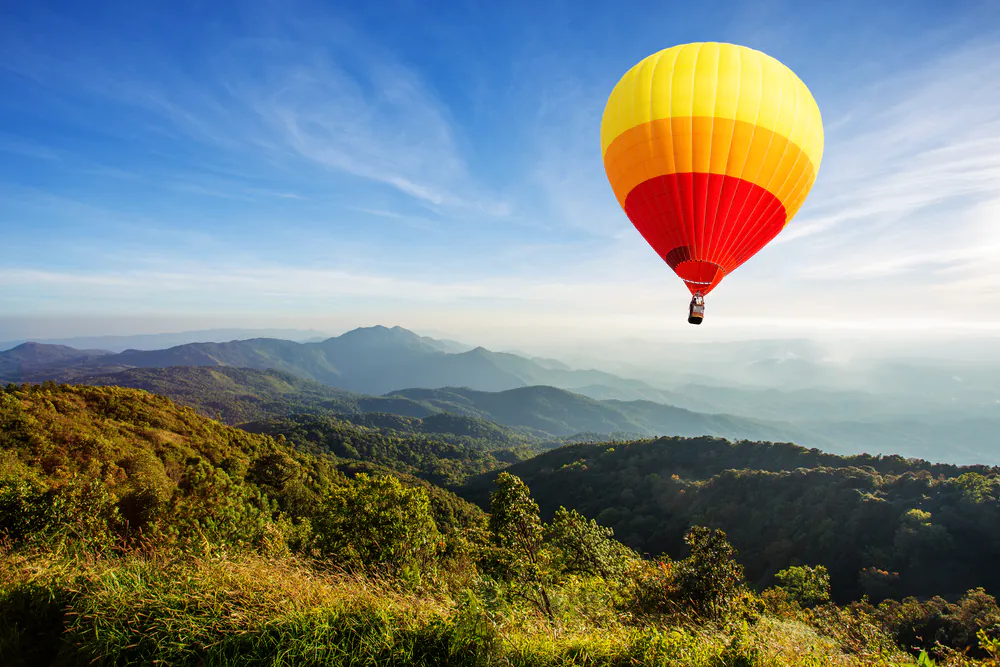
(486, 333)
(323, 168)
(579, 350)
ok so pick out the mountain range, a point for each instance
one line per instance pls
(159, 341)
(373, 360)
(239, 395)
(392, 364)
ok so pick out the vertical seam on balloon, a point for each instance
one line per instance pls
(753, 133)
(741, 248)
(667, 224)
(694, 210)
(800, 191)
(802, 172)
(739, 96)
(660, 224)
(718, 203)
(628, 150)
(621, 104)
(652, 233)
(806, 174)
(734, 240)
(667, 231)
(669, 186)
(706, 233)
(674, 185)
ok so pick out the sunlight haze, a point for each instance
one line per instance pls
(327, 169)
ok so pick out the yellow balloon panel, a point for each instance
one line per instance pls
(720, 81)
(710, 149)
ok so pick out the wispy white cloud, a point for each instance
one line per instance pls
(926, 138)
(386, 128)
(567, 169)
(20, 146)
(310, 120)
(214, 283)
(312, 93)
(905, 215)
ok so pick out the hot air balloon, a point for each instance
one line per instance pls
(711, 150)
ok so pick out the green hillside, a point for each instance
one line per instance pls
(236, 395)
(136, 531)
(931, 528)
(557, 412)
(405, 444)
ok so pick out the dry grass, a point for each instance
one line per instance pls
(248, 610)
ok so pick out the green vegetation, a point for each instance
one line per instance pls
(135, 531)
(404, 444)
(237, 395)
(551, 412)
(200, 375)
(806, 585)
(881, 526)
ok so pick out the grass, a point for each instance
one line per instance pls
(247, 610)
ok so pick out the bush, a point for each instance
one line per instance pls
(209, 507)
(377, 525)
(583, 546)
(809, 586)
(941, 627)
(709, 581)
(518, 554)
(25, 509)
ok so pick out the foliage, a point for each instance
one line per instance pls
(135, 531)
(443, 459)
(806, 585)
(582, 546)
(708, 584)
(104, 466)
(710, 579)
(519, 556)
(942, 627)
(377, 524)
(881, 525)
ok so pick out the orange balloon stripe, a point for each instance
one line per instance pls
(712, 145)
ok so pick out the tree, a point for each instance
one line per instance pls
(709, 580)
(585, 547)
(808, 586)
(377, 524)
(518, 555)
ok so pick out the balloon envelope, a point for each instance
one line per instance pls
(711, 150)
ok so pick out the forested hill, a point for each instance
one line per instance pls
(237, 395)
(371, 360)
(881, 525)
(127, 522)
(558, 412)
(160, 464)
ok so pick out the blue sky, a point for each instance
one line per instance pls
(170, 165)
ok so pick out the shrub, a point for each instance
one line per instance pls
(518, 555)
(583, 546)
(709, 580)
(376, 524)
(708, 583)
(806, 585)
(940, 626)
